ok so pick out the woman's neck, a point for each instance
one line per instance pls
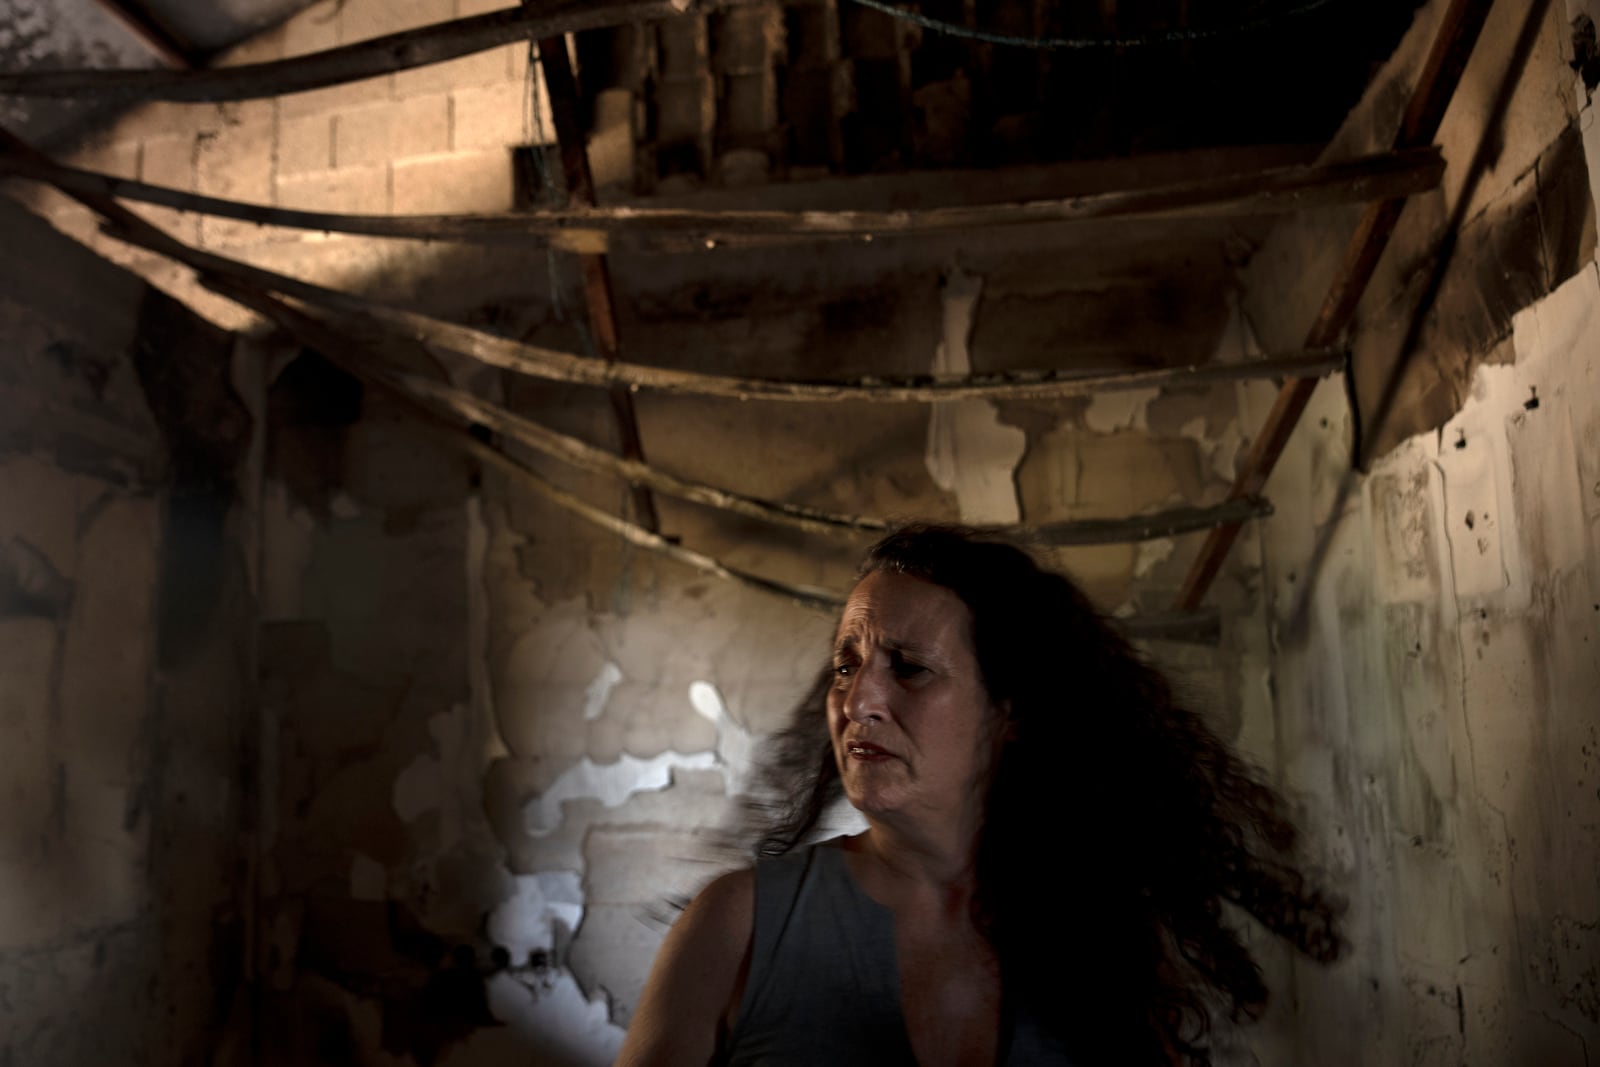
(921, 861)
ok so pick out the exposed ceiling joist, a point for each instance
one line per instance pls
(365, 59)
(588, 228)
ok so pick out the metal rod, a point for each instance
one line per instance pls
(1277, 189)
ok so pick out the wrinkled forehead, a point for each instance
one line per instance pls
(903, 611)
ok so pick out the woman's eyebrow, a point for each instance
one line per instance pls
(909, 648)
(850, 642)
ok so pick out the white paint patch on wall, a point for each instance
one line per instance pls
(736, 748)
(609, 783)
(969, 452)
(526, 921)
(1151, 554)
(554, 1020)
(599, 691)
(1126, 409)
(1220, 453)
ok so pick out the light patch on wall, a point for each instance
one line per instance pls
(609, 783)
(736, 748)
(1237, 342)
(1221, 454)
(1480, 482)
(525, 922)
(1126, 409)
(599, 691)
(418, 788)
(969, 452)
(1151, 554)
(553, 1019)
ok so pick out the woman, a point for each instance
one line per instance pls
(1050, 842)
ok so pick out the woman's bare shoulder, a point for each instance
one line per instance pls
(689, 1000)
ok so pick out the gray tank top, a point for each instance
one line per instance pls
(824, 982)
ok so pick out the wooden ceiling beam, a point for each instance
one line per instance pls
(565, 366)
(599, 297)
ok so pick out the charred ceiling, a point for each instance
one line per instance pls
(810, 87)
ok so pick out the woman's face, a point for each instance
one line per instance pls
(911, 723)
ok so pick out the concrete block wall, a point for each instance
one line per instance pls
(1435, 701)
(433, 140)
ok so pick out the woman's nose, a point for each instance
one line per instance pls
(867, 700)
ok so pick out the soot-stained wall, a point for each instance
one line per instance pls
(126, 636)
(1435, 694)
(503, 738)
(494, 739)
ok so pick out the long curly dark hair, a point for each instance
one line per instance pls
(1117, 823)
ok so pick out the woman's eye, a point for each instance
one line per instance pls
(907, 669)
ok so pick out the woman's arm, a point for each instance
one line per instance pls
(692, 994)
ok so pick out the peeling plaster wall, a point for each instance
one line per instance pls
(502, 740)
(126, 618)
(494, 741)
(1434, 704)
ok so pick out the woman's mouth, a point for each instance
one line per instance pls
(866, 751)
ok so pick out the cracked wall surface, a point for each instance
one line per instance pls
(1435, 695)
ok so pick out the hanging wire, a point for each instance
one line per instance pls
(1149, 40)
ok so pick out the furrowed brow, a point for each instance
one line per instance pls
(906, 648)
